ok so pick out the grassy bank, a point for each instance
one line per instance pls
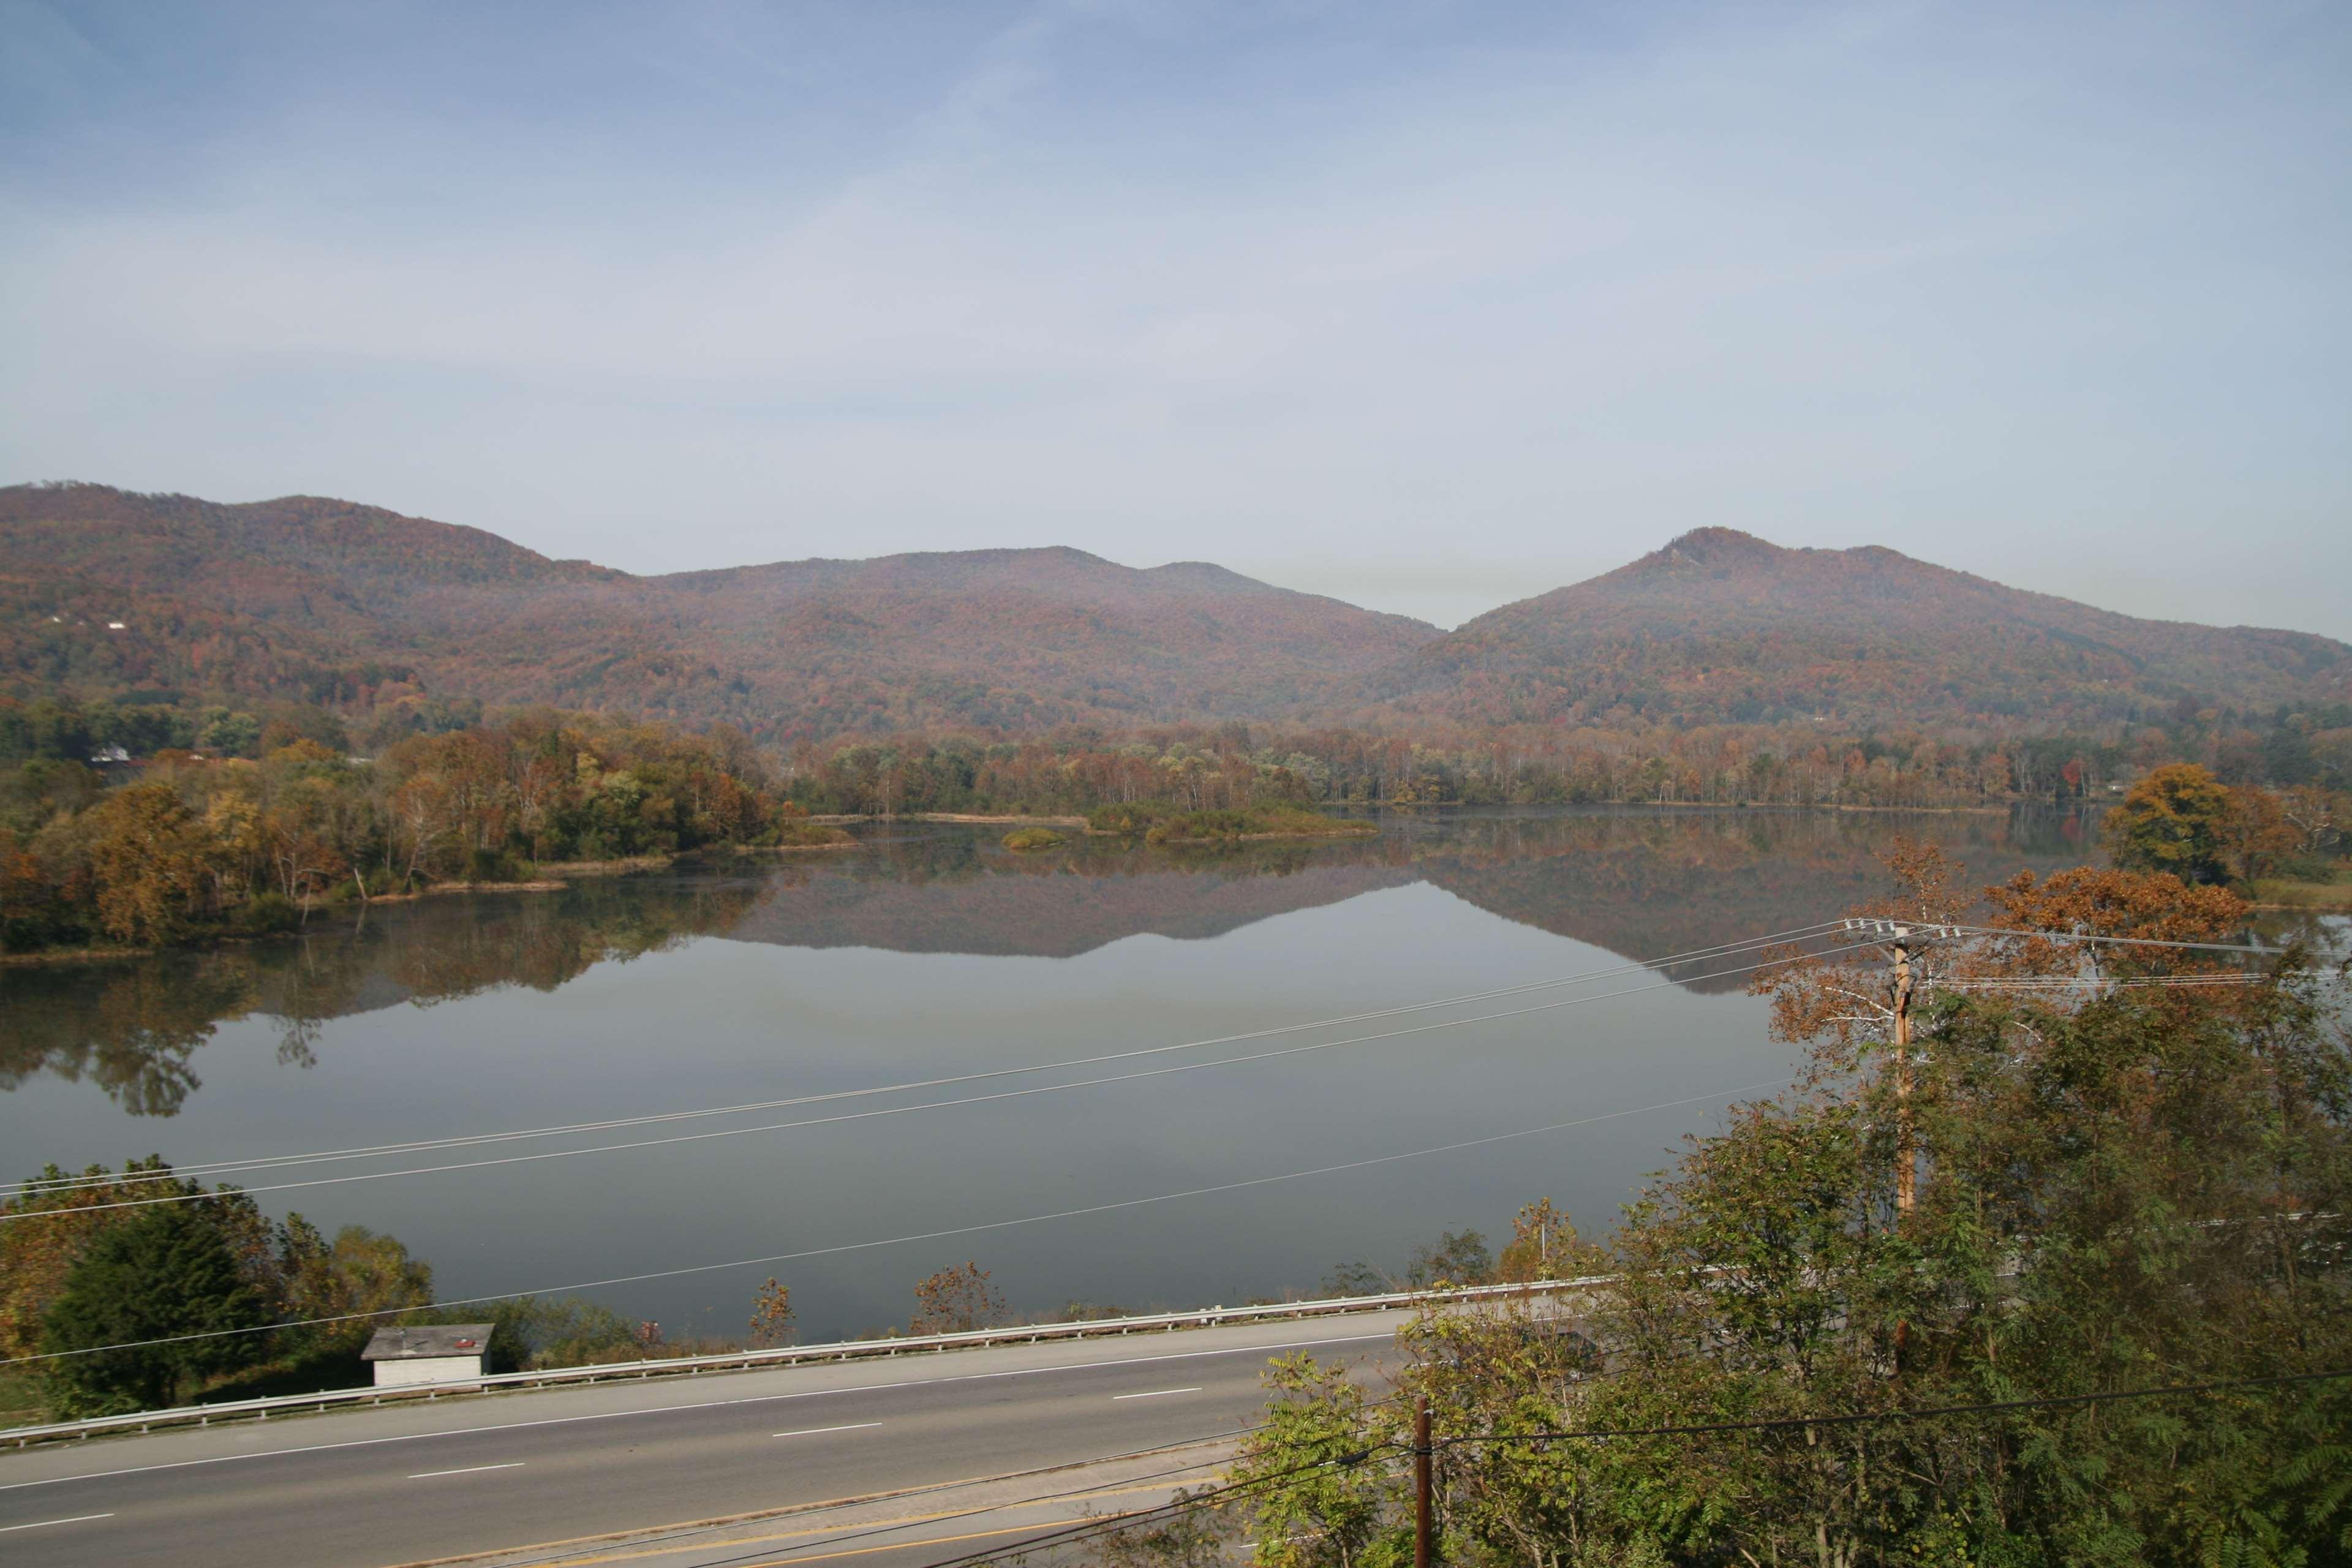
(2333, 891)
(1156, 823)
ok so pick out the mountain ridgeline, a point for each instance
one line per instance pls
(1722, 627)
(106, 593)
(323, 601)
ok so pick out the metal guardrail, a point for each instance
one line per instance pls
(786, 1355)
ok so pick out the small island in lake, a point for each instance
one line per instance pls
(1157, 822)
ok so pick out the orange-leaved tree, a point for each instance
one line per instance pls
(771, 1314)
(956, 1300)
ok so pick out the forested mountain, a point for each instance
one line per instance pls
(325, 601)
(1723, 627)
(107, 593)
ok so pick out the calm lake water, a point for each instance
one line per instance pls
(927, 952)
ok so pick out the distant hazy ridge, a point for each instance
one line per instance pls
(320, 599)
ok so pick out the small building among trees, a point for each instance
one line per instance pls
(405, 1355)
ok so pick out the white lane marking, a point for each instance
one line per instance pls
(44, 1524)
(1155, 1394)
(468, 1470)
(819, 1431)
(678, 1409)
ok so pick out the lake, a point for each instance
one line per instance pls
(930, 952)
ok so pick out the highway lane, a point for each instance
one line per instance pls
(418, 1482)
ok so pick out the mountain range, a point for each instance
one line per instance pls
(112, 594)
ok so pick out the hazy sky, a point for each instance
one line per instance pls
(1430, 306)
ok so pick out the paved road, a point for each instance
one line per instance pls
(419, 1482)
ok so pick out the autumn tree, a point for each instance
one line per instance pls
(148, 860)
(361, 1273)
(2176, 819)
(2316, 814)
(37, 1254)
(955, 1300)
(1543, 1246)
(2255, 834)
(771, 1314)
(1455, 1257)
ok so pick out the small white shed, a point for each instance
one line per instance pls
(429, 1352)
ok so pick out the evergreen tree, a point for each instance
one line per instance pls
(168, 1273)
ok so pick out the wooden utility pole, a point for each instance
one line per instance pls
(1905, 1177)
(1421, 1454)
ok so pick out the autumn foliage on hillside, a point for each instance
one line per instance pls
(1721, 628)
(107, 595)
(104, 593)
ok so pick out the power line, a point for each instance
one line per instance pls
(2079, 981)
(903, 1110)
(944, 1487)
(897, 1240)
(1124, 1522)
(774, 1555)
(39, 1186)
(2091, 937)
(1091, 1528)
(1862, 1418)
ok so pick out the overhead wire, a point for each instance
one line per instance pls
(934, 1488)
(1110, 1524)
(38, 1186)
(906, 1110)
(2240, 948)
(899, 1240)
(772, 1554)
(1922, 1412)
(2091, 982)
(1127, 1522)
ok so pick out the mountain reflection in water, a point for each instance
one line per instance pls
(1637, 884)
(931, 952)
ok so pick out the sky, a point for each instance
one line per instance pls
(1429, 306)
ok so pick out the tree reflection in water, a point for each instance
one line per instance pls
(1637, 883)
(133, 1025)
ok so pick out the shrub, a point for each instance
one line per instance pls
(790, 833)
(267, 914)
(492, 865)
(1135, 816)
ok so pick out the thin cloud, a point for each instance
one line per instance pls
(1408, 303)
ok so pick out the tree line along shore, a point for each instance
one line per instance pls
(129, 827)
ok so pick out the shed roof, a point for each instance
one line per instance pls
(411, 1342)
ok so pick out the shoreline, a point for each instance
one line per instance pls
(1680, 806)
(555, 878)
(1367, 831)
(845, 819)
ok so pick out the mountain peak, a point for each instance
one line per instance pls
(1716, 547)
(1720, 626)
